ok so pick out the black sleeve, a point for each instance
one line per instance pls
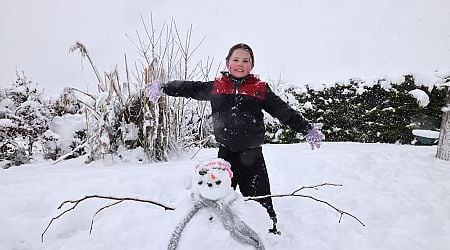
(191, 89)
(284, 113)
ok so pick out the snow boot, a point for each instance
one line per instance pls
(274, 229)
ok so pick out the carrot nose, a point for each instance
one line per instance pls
(213, 177)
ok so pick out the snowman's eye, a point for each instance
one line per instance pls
(202, 172)
(200, 183)
(218, 182)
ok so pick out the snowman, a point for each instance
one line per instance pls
(211, 188)
(212, 181)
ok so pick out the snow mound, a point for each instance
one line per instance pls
(422, 98)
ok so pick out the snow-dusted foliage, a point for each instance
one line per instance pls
(67, 127)
(382, 110)
(65, 137)
(121, 117)
(275, 131)
(23, 118)
(66, 103)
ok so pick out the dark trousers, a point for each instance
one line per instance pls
(250, 173)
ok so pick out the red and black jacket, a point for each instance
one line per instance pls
(237, 109)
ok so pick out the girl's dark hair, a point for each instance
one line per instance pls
(241, 46)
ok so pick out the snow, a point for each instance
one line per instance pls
(426, 133)
(6, 123)
(400, 192)
(308, 105)
(66, 125)
(6, 104)
(422, 98)
(32, 104)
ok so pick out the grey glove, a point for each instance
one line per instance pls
(315, 136)
(153, 91)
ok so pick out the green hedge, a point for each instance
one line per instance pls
(380, 112)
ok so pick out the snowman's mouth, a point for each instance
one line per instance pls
(210, 184)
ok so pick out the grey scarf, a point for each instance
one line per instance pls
(237, 228)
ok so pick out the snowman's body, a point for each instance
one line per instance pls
(211, 188)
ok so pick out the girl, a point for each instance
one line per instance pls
(237, 99)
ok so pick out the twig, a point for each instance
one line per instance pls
(202, 144)
(316, 187)
(85, 93)
(78, 201)
(294, 194)
(98, 211)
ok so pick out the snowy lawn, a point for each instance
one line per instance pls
(400, 192)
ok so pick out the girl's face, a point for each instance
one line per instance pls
(240, 63)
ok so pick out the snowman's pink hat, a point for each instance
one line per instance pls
(216, 163)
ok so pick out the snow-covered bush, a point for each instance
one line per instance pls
(66, 103)
(67, 127)
(64, 137)
(120, 115)
(24, 118)
(120, 118)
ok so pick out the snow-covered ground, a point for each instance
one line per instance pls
(400, 192)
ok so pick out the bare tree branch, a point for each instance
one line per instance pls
(295, 194)
(98, 211)
(78, 201)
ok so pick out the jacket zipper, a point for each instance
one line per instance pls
(234, 108)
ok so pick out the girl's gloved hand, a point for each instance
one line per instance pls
(153, 91)
(315, 136)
